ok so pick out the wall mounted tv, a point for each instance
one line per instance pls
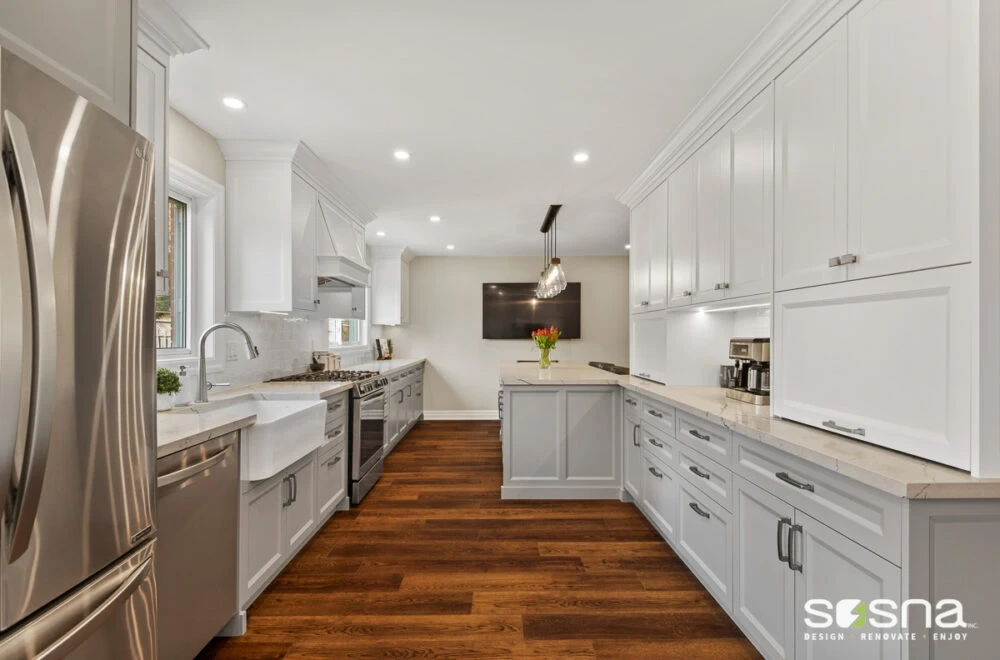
(511, 311)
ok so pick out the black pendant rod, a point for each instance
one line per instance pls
(550, 217)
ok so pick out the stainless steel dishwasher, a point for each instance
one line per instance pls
(197, 492)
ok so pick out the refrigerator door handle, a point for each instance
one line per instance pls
(30, 473)
(14, 329)
(93, 621)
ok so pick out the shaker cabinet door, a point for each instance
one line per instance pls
(913, 134)
(304, 210)
(683, 214)
(714, 166)
(810, 168)
(639, 256)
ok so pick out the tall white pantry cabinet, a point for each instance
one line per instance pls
(871, 126)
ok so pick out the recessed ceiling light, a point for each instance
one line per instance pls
(380, 233)
(450, 247)
(628, 246)
(581, 157)
(401, 154)
(435, 218)
(233, 103)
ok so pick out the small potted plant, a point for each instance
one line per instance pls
(545, 340)
(168, 384)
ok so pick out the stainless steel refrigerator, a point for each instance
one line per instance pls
(77, 370)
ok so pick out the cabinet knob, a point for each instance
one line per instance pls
(686, 294)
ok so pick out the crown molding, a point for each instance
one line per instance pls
(796, 26)
(167, 29)
(306, 164)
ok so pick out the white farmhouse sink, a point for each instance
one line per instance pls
(284, 432)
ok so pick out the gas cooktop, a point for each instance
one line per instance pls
(326, 376)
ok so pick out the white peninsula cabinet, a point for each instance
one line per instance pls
(85, 44)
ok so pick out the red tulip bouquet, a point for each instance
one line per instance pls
(545, 340)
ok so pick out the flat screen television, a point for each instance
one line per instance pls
(511, 311)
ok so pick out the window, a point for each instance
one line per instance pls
(172, 295)
(346, 332)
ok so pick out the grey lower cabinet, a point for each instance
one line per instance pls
(770, 535)
(280, 514)
(406, 404)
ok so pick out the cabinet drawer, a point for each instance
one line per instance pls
(705, 539)
(631, 406)
(336, 407)
(659, 444)
(864, 514)
(707, 476)
(659, 495)
(331, 480)
(659, 415)
(710, 439)
(336, 432)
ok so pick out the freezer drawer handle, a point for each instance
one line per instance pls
(191, 470)
(784, 476)
(28, 485)
(81, 631)
(697, 509)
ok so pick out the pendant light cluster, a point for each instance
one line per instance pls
(552, 281)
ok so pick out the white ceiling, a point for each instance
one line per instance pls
(491, 97)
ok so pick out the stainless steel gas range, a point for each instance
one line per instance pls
(369, 412)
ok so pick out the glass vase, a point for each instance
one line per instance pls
(544, 362)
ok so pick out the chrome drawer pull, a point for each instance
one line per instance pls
(635, 433)
(333, 435)
(656, 444)
(697, 509)
(792, 482)
(631, 402)
(831, 424)
(700, 473)
(701, 436)
(782, 548)
(655, 414)
(653, 471)
(333, 462)
(833, 262)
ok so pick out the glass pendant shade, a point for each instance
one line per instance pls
(552, 281)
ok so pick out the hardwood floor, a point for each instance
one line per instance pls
(434, 565)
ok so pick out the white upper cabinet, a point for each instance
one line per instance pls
(274, 223)
(713, 166)
(638, 258)
(390, 300)
(304, 212)
(913, 128)
(649, 347)
(648, 254)
(85, 44)
(151, 123)
(751, 232)
(683, 210)
(886, 360)
(810, 196)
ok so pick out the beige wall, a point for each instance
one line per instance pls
(446, 323)
(192, 146)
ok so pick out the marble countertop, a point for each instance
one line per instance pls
(176, 431)
(895, 473)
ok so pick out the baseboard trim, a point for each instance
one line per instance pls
(440, 415)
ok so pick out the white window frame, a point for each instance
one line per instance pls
(206, 263)
(190, 221)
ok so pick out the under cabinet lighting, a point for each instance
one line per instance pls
(733, 308)
(273, 313)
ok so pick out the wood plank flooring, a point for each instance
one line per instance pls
(434, 565)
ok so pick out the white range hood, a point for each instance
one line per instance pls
(341, 261)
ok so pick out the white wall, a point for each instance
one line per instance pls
(446, 323)
(189, 144)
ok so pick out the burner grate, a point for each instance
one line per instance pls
(326, 376)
